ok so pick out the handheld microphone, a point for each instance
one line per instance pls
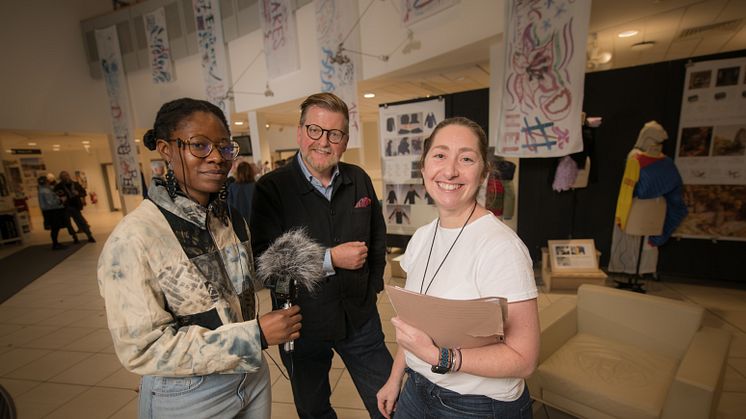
(293, 260)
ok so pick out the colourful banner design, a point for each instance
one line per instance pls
(160, 52)
(280, 37)
(544, 73)
(123, 148)
(339, 72)
(212, 51)
(416, 10)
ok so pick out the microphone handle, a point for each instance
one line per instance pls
(288, 346)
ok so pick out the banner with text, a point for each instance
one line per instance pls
(158, 47)
(212, 50)
(280, 37)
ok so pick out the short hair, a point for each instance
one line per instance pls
(173, 113)
(475, 128)
(328, 101)
(244, 173)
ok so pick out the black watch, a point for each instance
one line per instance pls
(442, 367)
(439, 369)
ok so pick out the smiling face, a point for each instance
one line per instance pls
(198, 177)
(320, 155)
(453, 169)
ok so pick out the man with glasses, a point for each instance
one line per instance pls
(338, 206)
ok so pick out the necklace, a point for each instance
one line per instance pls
(447, 253)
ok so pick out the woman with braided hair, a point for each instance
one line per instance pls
(177, 277)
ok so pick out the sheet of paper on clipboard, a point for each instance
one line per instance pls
(452, 323)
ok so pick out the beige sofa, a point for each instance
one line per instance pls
(619, 354)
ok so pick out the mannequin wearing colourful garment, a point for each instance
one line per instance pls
(648, 174)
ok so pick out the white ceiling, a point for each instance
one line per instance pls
(660, 21)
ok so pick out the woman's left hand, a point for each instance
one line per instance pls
(415, 341)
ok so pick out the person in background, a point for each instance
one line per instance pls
(466, 253)
(241, 191)
(72, 195)
(177, 278)
(53, 212)
(338, 206)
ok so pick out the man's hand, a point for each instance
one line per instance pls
(350, 255)
(281, 326)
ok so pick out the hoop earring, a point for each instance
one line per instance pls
(171, 185)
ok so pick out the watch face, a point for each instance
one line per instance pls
(438, 369)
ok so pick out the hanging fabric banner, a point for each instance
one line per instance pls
(158, 47)
(336, 24)
(123, 148)
(416, 10)
(543, 80)
(280, 37)
(212, 50)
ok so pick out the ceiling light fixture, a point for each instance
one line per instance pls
(86, 142)
(266, 126)
(643, 45)
(369, 95)
(32, 144)
(627, 34)
(239, 123)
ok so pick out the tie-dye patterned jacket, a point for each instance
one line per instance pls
(160, 276)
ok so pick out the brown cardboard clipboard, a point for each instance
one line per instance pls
(452, 323)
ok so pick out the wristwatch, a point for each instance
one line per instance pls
(443, 363)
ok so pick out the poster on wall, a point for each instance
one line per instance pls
(336, 25)
(543, 78)
(406, 204)
(711, 150)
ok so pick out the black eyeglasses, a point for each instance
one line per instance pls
(334, 136)
(200, 146)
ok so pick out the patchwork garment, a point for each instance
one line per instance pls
(178, 286)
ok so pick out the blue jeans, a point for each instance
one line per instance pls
(422, 399)
(208, 396)
(365, 355)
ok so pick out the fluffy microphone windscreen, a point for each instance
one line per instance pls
(294, 255)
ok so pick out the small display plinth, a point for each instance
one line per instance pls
(568, 280)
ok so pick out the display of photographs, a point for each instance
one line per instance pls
(729, 140)
(398, 214)
(573, 255)
(728, 76)
(695, 141)
(401, 146)
(409, 123)
(407, 194)
(700, 79)
(392, 194)
(714, 211)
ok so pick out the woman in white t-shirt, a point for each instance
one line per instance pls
(466, 253)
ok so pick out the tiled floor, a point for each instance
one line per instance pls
(57, 361)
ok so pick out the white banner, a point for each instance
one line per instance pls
(334, 21)
(123, 148)
(280, 37)
(544, 73)
(406, 205)
(212, 50)
(416, 10)
(158, 46)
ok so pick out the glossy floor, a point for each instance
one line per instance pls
(57, 360)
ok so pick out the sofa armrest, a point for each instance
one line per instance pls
(698, 381)
(558, 322)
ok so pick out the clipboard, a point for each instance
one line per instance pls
(452, 323)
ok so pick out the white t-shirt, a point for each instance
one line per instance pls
(488, 260)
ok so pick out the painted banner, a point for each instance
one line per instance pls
(406, 204)
(416, 10)
(335, 20)
(212, 51)
(158, 47)
(123, 146)
(711, 150)
(544, 73)
(280, 37)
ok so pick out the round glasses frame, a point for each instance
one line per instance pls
(200, 146)
(334, 136)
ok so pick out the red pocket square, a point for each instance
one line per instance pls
(364, 202)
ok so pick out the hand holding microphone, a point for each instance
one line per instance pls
(293, 260)
(281, 326)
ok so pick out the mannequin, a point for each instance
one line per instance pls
(649, 174)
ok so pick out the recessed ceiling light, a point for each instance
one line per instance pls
(266, 126)
(238, 123)
(137, 140)
(627, 34)
(56, 145)
(8, 151)
(369, 95)
(643, 45)
(31, 143)
(85, 142)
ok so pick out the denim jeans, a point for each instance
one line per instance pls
(422, 399)
(365, 355)
(208, 396)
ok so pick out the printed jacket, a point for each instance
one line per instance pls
(180, 306)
